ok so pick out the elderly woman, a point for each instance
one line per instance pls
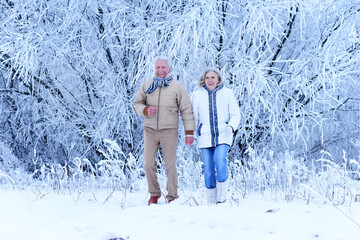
(217, 115)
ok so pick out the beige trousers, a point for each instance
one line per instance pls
(168, 139)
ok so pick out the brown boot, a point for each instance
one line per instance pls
(153, 200)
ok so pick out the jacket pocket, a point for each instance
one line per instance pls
(199, 129)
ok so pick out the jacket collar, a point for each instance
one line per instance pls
(167, 76)
(215, 90)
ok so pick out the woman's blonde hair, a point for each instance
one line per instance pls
(201, 81)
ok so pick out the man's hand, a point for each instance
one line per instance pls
(151, 111)
(189, 140)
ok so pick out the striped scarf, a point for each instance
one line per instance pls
(158, 82)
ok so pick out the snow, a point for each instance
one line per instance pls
(32, 214)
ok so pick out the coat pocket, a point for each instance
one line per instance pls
(199, 129)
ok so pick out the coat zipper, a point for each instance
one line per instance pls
(213, 113)
(157, 111)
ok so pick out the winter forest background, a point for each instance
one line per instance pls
(69, 71)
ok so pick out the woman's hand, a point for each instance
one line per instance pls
(229, 130)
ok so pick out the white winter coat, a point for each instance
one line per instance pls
(213, 112)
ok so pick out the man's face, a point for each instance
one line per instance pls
(162, 68)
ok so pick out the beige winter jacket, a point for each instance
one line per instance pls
(168, 101)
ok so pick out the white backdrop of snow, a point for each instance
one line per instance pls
(26, 215)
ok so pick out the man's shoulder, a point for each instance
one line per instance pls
(148, 81)
(175, 82)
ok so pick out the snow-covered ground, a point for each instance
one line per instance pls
(99, 215)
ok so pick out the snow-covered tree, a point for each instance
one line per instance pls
(70, 69)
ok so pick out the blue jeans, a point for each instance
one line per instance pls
(215, 157)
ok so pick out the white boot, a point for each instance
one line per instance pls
(211, 195)
(222, 189)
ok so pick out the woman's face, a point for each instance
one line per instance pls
(211, 80)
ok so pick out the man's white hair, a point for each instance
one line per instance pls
(162, 58)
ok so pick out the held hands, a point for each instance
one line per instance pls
(189, 140)
(151, 111)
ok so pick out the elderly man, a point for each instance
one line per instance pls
(159, 101)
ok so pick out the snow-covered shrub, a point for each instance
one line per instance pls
(268, 172)
(7, 158)
(118, 171)
(190, 168)
(10, 166)
(335, 181)
(283, 174)
(69, 72)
